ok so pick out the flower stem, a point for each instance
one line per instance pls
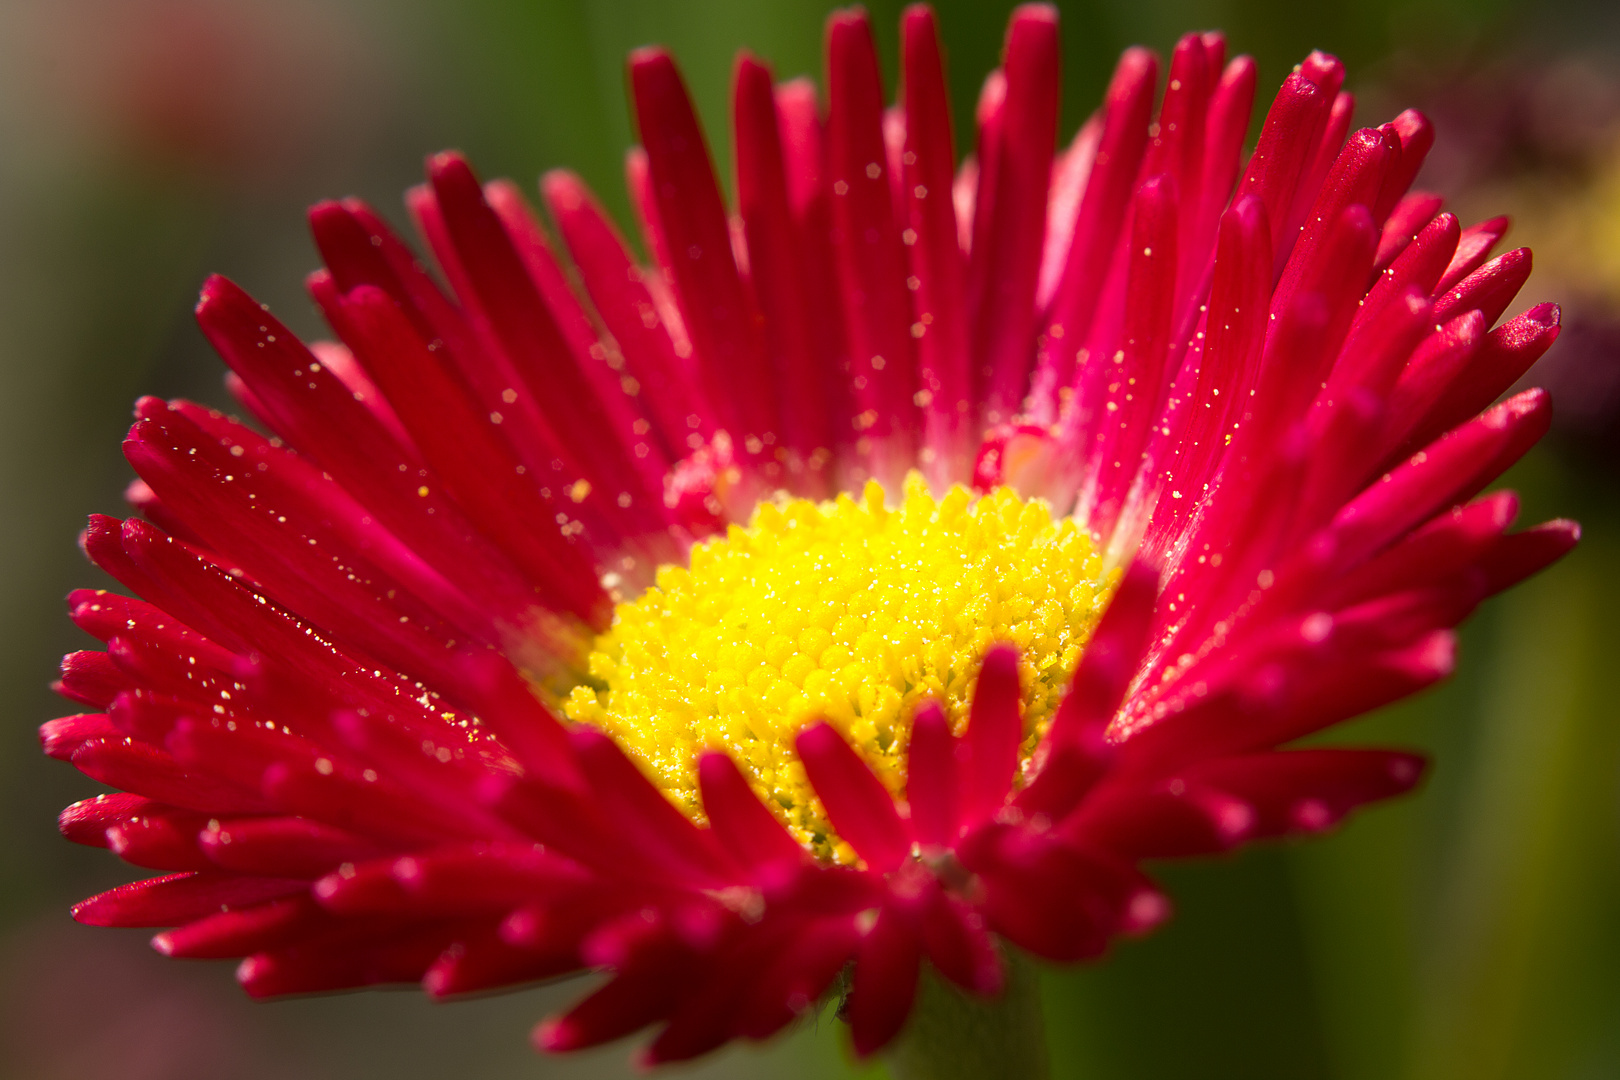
(952, 1034)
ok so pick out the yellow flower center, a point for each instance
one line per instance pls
(848, 611)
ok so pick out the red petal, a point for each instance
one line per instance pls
(283, 846)
(719, 316)
(92, 678)
(146, 770)
(931, 777)
(160, 838)
(618, 288)
(885, 982)
(1127, 107)
(179, 898)
(989, 747)
(1473, 248)
(650, 823)
(87, 821)
(1490, 289)
(60, 738)
(775, 265)
(867, 245)
(1002, 274)
(340, 965)
(944, 370)
(237, 933)
(857, 803)
(739, 820)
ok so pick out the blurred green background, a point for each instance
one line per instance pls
(1472, 931)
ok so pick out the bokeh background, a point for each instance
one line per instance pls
(1470, 932)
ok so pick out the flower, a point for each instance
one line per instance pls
(830, 712)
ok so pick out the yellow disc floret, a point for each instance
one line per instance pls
(849, 611)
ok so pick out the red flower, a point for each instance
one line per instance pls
(1255, 418)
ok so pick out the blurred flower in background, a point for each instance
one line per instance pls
(1471, 932)
(242, 93)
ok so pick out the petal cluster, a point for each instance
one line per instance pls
(1264, 386)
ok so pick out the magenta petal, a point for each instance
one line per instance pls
(944, 369)
(1505, 354)
(794, 981)
(146, 770)
(161, 839)
(62, 737)
(739, 820)
(91, 678)
(886, 968)
(1514, 558)
(989, 748)
(776, 269)
(479, 960)
(638, 995)
(1309, 790)
(932, 784)
(1002, 277)
(661, 834)
(1109, 662)
(867, 245)
(1473, 248)
(718, 313)
(282, 846)
(959, 945)
(619, 290)
(1103, 210)
(87, 821)
(227, 934)
(179, 898)
(858, 805)
(338, 964)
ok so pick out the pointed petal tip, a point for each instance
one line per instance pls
(917, 17)
(1034, 13)
(324, 211)
(649, 56)
(560, 179)
(815, 737)
(216, 289)
(1002, 656)
(1523, 404)
(1570, 529)
(754, 65)
(1407, 769)
(1146, 910)
(1437, 654)
(556, 1035)
(436, 983)
(842, 20)
(445, 161)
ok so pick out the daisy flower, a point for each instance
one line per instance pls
(864, 584)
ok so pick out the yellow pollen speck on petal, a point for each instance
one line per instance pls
(854, 611)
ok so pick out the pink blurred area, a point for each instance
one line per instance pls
(242, 91)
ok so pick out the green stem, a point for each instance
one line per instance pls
(952, 1034)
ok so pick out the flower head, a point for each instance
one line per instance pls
(913, 550)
